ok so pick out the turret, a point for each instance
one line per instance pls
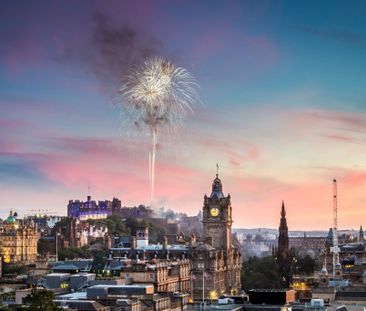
(323, 274)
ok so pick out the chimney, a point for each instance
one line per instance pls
(165, 243)
(133, 242)
(193, 239)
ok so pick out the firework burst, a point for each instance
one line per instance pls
(158, 95)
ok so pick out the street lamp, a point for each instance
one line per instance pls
(56, 238)
(213, 295)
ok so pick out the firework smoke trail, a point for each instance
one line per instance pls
(158, 95)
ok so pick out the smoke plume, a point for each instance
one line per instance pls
(110, 50)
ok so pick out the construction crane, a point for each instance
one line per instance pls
(335, 249)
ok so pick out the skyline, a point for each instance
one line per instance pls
(283, 113)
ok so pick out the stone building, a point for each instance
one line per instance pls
(167, 276)
(206, 268)
(89, 209)
(307, 245)
(216, 263)
(18, 240)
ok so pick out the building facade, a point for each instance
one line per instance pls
(89, 209)
(205, 269)
(308, 245)
(216, 263)
(18, 240)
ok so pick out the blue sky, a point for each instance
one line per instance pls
(284, 105)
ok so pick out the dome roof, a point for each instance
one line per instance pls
(217, 188)
(11, 219)
(324, 271)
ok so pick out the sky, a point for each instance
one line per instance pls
(283, 107)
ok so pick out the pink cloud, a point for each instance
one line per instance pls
(346, 127)
(236, 151)
(308, 203)
(329, 119)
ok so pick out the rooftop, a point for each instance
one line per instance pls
(122, 286)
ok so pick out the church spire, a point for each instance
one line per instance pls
(283, 221)
(360, 235)
(283, 254)
(283, 212)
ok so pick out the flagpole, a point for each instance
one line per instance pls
(203, 288)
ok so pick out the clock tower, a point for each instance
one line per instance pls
(217, 217)
(216, 262)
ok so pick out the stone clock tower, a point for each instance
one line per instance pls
(216, 262)
(217, 217)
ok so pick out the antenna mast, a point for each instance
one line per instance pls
(335, 249)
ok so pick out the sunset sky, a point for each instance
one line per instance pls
(283, 86)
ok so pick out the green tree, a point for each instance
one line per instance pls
(156, 234)
(306, 264)
(14, 269)
(115, 225)
(260, 273)
(64, 222)
(99, 260)
(40, 300)
(132, 223)
(45, 246)
(74, 252)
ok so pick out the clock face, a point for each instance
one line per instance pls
(214, 211)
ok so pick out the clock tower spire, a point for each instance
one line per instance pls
(215, 260)
(217, 216)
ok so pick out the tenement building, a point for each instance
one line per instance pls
(216, 263)
(18, 240)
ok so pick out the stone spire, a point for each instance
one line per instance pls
(283, 230)
(323, 274)
(283, 254)
(360, 236)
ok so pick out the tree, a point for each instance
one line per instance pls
(306, 264)
(132, 223)
(156, 234)
(14, 269)
(45, 246)
(40, 300)
(260, 273)
(99, 260)
(116, 226)
(74, 252)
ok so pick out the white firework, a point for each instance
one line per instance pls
(158, 95)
